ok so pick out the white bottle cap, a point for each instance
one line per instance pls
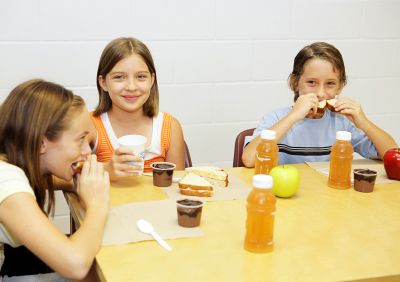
(268, 134)
(343, 135)
(262, 181)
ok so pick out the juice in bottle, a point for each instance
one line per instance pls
(340, 161)
(260, 215)
(266, 153)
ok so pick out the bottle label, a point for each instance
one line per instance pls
(263, 159)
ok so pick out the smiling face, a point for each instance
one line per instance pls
(57, 157)
(128, 84)
(319, 77)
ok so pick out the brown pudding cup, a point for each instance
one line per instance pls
(364, 180)
(162, 173)
(189, 212)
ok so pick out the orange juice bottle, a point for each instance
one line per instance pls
(266, 153)
(260, 215)
(340, 162)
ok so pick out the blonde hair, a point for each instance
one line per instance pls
(33, 110)
(114, 52)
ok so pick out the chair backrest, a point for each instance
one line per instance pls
(237, 154)
(188, 159)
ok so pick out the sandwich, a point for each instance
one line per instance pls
(194, 185)
(320, 110)
(215, 175)
(77, 167)
(330, 104)
(322, 106)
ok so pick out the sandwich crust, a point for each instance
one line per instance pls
(194, 185)
(77, 167)
(200, 193)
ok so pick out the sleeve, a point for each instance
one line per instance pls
(362, 144)
(13, 180)
(266, 122)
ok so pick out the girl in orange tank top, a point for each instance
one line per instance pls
(129, 104)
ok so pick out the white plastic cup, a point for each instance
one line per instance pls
(137, 143)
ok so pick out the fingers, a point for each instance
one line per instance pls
(125, 170)
(123, 163)
(93, 164)
(306, 104)
(94, 184)
(347, 106)
(124, 154)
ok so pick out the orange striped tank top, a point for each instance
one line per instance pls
(105, 148)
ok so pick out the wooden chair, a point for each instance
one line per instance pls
(237, 154)
(188, 159)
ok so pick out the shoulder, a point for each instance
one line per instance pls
(10, 171)
(270, 118)
(277, 113)
(169, 118)
(12, 180)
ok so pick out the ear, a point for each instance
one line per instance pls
(43, 147)
(152, 79)
(102, 83)
(340, 89)
(294, 83)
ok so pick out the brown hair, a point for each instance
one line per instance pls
(320, 50)
(114, 52)
(33, 110)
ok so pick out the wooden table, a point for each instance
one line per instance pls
(321, 234)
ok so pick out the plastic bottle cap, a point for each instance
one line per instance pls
(268, 134)
(262, 181)
(343, 135)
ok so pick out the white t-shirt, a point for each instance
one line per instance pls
(12, 180)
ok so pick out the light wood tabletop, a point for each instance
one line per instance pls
(321, 234)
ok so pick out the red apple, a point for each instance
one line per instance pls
(391, 160)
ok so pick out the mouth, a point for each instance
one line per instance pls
(131, 97)
(77, 167)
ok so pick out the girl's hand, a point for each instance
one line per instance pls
(304, 104)
(118, 167)
(352, 110)
(94, 185)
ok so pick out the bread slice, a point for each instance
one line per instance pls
(320, 110)
(194, 185)
(215, 175)
(330, 104)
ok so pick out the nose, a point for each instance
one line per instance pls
(131, 85)
(321, 93)
(86, 150)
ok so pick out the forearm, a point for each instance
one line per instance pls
(86, 241)
(381, 139)
(281, 128)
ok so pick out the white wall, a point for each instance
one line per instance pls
(221, 64)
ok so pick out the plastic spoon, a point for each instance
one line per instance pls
(146, 227)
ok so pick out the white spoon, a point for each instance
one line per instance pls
(147, 228)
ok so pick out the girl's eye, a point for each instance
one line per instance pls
(142, 77)
(118, 77)
(332, 83)
(311, 82)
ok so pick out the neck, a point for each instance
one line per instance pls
(122, 117)
(124, 123)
